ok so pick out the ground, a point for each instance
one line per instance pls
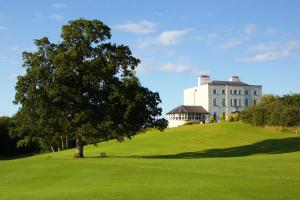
(212, 161)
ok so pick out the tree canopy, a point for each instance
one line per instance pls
(83, 88)
(274, 111)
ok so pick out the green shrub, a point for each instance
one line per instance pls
(222, 118)
(229, 118)
(236, 117)
(212, 118)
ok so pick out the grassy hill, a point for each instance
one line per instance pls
(212, 161)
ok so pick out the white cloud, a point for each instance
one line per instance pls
(58, 5)
(171, 67)
(271, 51)
(56, 17)
(177, 67)
(267, 56)
(3, 28)
(250, 29)
(171, 37)
(232, 43)
(143, 27)
(165, 38)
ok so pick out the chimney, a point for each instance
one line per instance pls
(203, 79)
(235, 79)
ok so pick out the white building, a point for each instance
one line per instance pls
(181, 114)
(220, 97)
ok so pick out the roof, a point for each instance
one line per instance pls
(188, 109)
(234, 83)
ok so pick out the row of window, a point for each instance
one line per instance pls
(233, 102)
(183, 116)
(236, 92)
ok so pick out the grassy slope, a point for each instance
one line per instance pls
(213, 161)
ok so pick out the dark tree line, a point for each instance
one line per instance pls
(8, 144)
(274, 111)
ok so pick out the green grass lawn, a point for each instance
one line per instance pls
(213, 161)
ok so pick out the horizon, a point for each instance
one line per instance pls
(175, 41)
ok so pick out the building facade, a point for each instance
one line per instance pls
(222, 97)
(182, 114)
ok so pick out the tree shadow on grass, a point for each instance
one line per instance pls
(15, 157)
(271, 146)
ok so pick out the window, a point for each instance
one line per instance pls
(215, 102)
(235, 91)
(240, 92)
(215, 91)
(254, 102)
(255, 93)
(235, 102)
(230, 91)
(246, 92)
(246, 102)
(224, 102)
(223, 91)
(240, 102)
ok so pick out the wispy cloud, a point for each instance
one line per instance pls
(250, 29)
(9, 60)
(171, 37)
(208, 38)
(3, 28)
(142, 27)
(56, 17)
(271, 51)
(166, 38)
(272, 31)
(171, 67)
(232, 42)
(267, 56)
(58, 5)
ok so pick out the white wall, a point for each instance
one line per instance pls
(175, 123)
(196, 96)
(204, 97)
(189, 96)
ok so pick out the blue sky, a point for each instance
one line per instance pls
(175, 40)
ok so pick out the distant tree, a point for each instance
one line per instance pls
(274, 111)
(83, 88)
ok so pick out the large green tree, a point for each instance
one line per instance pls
(84, 88)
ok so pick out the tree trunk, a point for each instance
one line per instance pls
(67, 142)
(79, 149)
(62, 143)
(52, 148)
